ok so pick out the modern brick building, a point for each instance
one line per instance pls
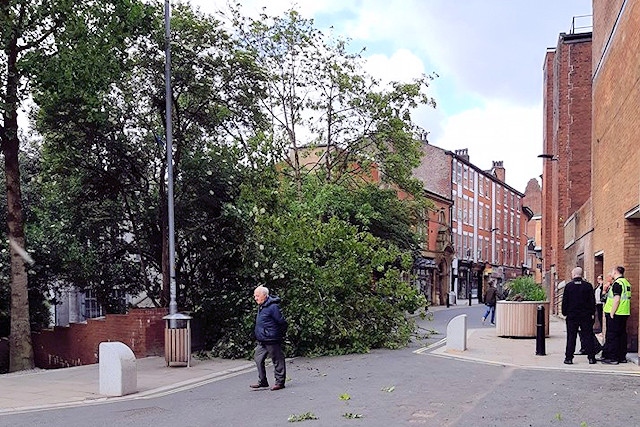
(615, 162)
(566, 177)
(596, 226)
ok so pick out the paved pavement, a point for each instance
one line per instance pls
(483, 345)
(44, 389)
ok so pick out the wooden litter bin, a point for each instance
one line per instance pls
(177, 339)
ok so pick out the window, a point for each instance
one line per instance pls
(91, 307)
(505, 222)
(487, 218)
(465, 175)
(486, 249)
(464, 211)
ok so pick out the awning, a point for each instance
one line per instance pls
(424, 263)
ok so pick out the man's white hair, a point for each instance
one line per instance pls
(576, 272)
(263, 290)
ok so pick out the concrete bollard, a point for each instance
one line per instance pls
(457, 333)
(118, 371)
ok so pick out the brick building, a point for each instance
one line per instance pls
(533, 200)
(433, 267)
(488, 220)
(597, 227)
(566, 177)
(616, 145)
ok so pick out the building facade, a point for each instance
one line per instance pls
(433, 268)
(488, 220)
(616, 145)
(599, 226)
(533, 200)
(566, 176)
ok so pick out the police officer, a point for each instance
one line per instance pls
(617, 310)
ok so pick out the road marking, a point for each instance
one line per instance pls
(430, 346)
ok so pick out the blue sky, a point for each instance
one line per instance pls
(488, 55)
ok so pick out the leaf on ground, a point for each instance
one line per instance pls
(302, 417)
(350, 415)
(345, 396)
(389, 389)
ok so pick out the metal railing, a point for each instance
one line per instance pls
(581, 24)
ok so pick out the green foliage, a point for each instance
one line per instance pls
(334, 245)
(341, 286)
(524, 288)
(302, 417)
(321, 102)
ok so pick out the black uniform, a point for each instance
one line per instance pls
(578, 306)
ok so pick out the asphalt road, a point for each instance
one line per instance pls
(382, 388)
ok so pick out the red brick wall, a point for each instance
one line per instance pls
(435, 170)
(142, 330)
(616, 144)
(605, 13)
(567, 135)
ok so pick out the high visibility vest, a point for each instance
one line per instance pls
(624, 308)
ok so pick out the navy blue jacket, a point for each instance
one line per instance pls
(270, 325)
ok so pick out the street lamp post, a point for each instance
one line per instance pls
(173, 305)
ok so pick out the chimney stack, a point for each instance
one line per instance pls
(498, 170)
(463, 154)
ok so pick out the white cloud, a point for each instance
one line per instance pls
(488, 53)
(403, 65)
(498, 131)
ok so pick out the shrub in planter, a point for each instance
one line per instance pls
(517, 315)
(524, 288)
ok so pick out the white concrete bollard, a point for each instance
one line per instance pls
(118, 371)
(457, 333)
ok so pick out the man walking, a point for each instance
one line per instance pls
(578, 306)
(269, 330)
(617, 310)
(490, 301)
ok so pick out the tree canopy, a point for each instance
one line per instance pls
(288, 163)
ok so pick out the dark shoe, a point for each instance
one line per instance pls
(568, 362)
(592, 361)
(277, 387)
(259, 385)
(623, 361)
(610, 362)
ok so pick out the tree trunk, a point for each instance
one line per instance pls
(20, 347)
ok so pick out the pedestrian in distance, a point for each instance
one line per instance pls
(490, 298)
(578, 307)
(600, 299)
(270, 330)
(617, 310)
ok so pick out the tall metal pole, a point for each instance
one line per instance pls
(173, 305)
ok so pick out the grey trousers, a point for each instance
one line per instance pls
(277, 357)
